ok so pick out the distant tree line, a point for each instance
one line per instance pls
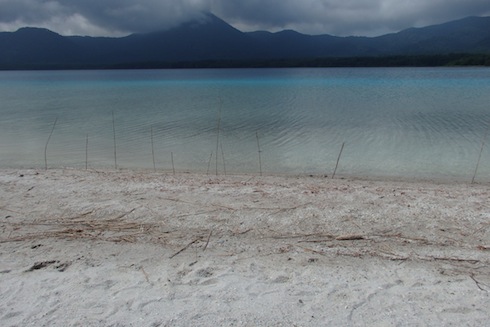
(388, 61)
(383, 61)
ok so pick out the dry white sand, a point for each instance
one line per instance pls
(91, 248)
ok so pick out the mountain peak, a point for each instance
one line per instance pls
(36, 31)
(206, 20)
(208, 37)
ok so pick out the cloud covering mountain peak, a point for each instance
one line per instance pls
(337, 17)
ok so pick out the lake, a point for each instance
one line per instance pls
(409, 123)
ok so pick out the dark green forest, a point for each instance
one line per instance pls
(382, 61)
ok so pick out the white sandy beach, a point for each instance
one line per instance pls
(129, 248)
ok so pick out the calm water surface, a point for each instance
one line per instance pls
(402, 122)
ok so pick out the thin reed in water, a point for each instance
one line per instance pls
(114, 134)
(152, 148)
(481, 150)
(173, 166)
(86, 152)
(223, 156)
(338, 159)
(259, 152)
(217, 135)
(209, 163)
(47, 142)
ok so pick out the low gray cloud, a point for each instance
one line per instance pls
(346, 17)
(337, 17)
(104, 17)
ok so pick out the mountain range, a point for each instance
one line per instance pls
(212, 39)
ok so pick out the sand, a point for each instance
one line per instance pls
(129, 248)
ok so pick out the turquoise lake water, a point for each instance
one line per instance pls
(394, 122)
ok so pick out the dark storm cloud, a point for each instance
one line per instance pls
(338, 17)
(347, 17)
(99, 16)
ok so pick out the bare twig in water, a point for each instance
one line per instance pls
(173, 166)
(209, 162)
(479, 156)
(338, 159)
(114, 136)
(152, 148)
(217, 134)
(86, 153)
(47, 142)
(223, 156)
(259, 151)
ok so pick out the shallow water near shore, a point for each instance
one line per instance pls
(421, 123)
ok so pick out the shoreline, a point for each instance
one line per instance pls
(125, 247)
(442, 180)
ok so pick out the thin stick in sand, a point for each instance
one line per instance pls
(207, 241)
(185, 247)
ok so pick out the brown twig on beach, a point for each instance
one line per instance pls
(353, 237)
(207, 241)
(146, 275)
(279, 237)
(312, 250)
(330, 238)
(112, 230)
(478, 283)
(199, 205)
(485, 226)
(392, 256)
(430, 258)
(40, 265)
(185, 247)
(243, 232)
(125, 213)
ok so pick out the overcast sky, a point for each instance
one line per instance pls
(336, 17)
